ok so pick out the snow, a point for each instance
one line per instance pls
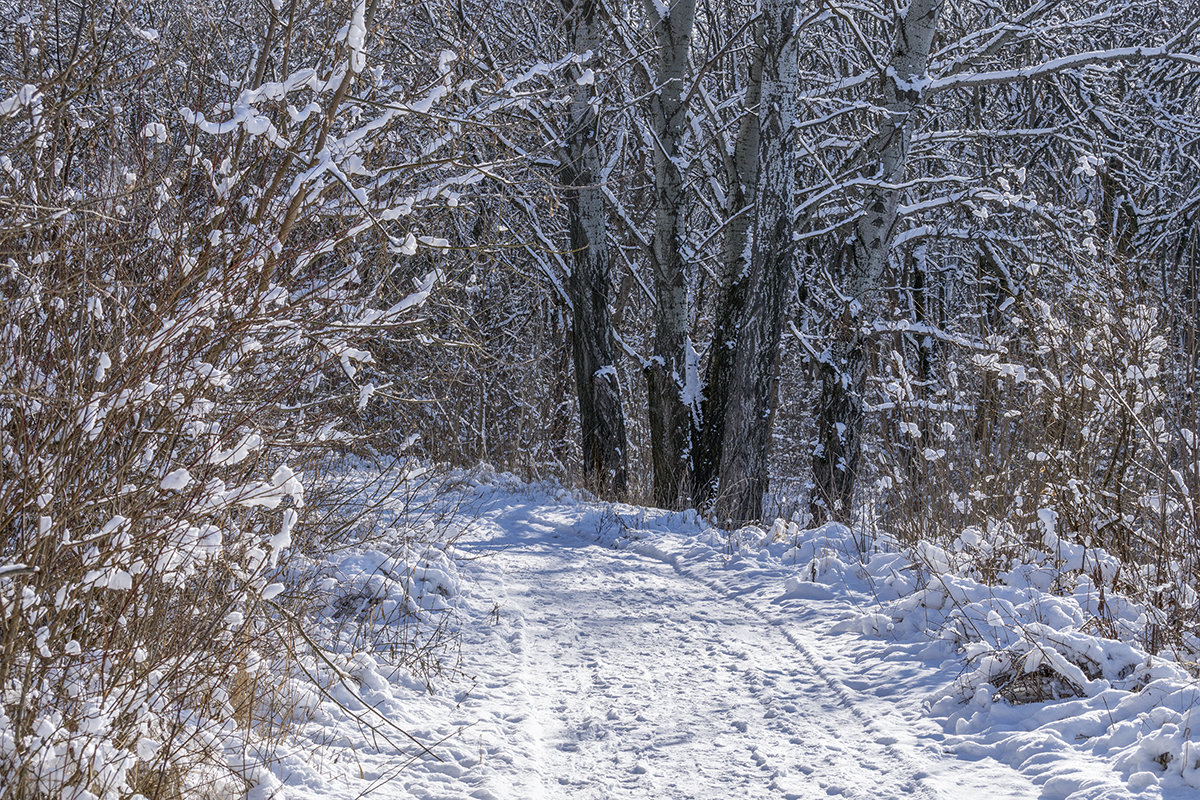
(102, 366)
(176, 480)
(611, 651)
(1055, 65)
(27, 95)
(356, 35)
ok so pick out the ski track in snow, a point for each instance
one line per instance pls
(612, 674)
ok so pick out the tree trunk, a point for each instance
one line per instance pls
(601, 418)
(862, 260)
(667, 374)
(750, 408)
(742, 170)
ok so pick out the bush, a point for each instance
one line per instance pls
(185, 321)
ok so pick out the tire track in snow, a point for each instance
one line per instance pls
(623, 692)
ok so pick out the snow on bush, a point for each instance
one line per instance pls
(1089, 434)
(189, 268)
(1054, 537)
(388, 584)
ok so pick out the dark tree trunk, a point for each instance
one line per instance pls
(742, 170)
(750, 407)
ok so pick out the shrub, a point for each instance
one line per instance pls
(184, 323)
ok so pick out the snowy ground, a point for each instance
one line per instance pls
(617, 652)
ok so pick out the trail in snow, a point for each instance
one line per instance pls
(682, 666)
(693, 664)
(631, 679)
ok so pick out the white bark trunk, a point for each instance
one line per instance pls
(666, 374)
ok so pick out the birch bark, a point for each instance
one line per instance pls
(670, 410)
(601, 417)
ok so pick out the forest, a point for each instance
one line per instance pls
(924, 272)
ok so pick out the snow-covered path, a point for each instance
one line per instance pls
(646, 684)
(633, 679)
(610, 652)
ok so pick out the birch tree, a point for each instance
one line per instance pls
(862, 259)
(669, 371)
(601, 416)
